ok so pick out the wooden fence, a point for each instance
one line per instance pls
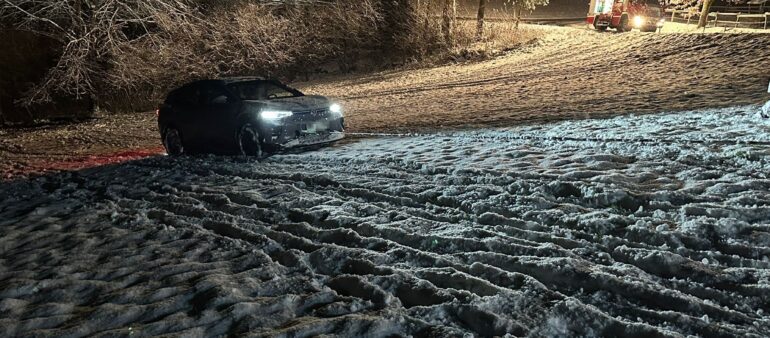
(723, 19)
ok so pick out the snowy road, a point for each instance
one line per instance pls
(657, 225)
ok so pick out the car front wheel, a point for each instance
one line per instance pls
(248, 141)
(172, 141)
(596, 25)
(624, 27)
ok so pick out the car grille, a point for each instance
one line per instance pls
(316, 112)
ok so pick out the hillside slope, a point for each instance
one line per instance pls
(572, 73)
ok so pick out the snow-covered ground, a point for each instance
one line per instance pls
(678, 27)
(569, 73)
(654, 225)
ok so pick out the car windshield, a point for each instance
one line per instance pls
(262, 90)
(653, 12)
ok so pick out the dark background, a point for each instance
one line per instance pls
(556, 9)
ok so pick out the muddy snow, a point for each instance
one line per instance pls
(654, 225)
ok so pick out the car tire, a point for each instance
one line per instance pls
(623, 27)
(597, 27)
(172, 141)
(249, 143)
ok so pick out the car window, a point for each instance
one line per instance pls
(214, 94)
(261, 90)
(273, 91)
(188, 96)
(653, 11)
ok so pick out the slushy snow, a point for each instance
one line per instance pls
(654, 225)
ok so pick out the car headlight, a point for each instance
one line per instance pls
(335, 108)
(275, 114)
(638, 21)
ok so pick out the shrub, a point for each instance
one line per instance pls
(112, 50)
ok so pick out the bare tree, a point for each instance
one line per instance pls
(110, 48)
(525, 5)
(704, 14)
(480, 20)
(449, 15)
(89, 32)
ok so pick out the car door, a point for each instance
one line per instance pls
(216, 117)
(185, 106)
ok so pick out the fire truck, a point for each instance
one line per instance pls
(625, 15)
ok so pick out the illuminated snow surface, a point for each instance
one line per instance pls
(655, 225)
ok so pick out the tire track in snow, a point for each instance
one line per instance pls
(542, 230)
(482, 138)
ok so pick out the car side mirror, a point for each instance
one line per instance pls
(221, 99)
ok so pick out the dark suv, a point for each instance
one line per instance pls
(245, 116)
